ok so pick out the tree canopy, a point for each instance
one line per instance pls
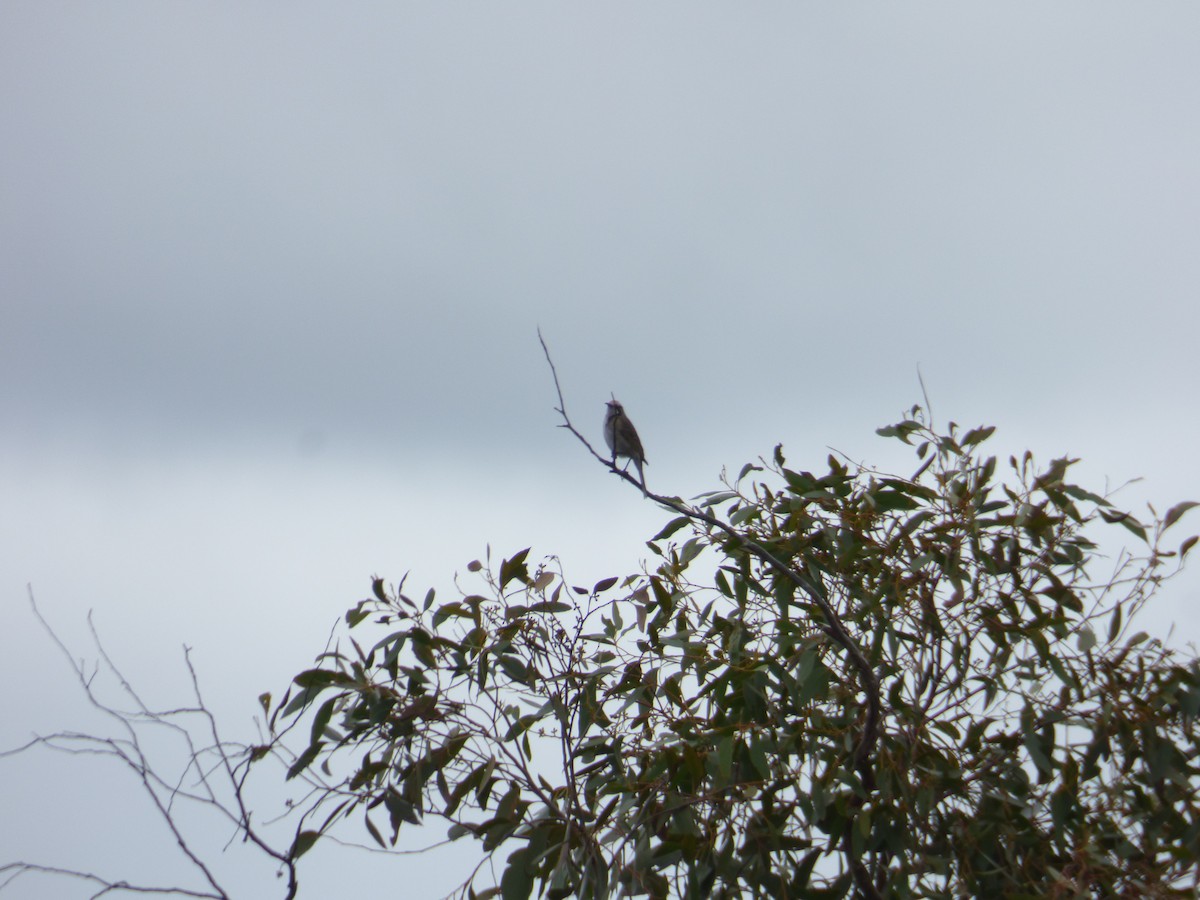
(847, 683)
(832, 684)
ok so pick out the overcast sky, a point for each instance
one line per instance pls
(270, 276)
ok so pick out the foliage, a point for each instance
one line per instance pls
(828, 684)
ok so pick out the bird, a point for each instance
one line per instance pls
(622, 438)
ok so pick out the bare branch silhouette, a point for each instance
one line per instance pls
(212, 777)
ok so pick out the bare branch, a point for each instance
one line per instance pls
(224, 796)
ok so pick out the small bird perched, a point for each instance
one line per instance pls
(622, 438)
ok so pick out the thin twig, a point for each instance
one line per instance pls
(925, 396)
(19, 869)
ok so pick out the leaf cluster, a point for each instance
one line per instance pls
(704, 728)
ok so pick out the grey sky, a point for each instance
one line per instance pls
(270, 276)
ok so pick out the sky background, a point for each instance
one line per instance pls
(270, 278)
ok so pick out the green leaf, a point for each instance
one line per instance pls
(1176, 512)
(514, 668)
(759, 758)
(358, 613)
(977, 435)
(670, 528)
(747, 469)
(948, 728)
(550, 606)
(1038, 752)
(400, 810)
(519, 727)
(517, 881)
(560, 886)
(514, 569)
(422, 649)
(473, 780)
(321, 719)
(446, 610)
(690, 550)
(304, 760)
(1125, 520)
(900, 430)
(311, 678)
(744, 514)
(374, 832)
(1114, 626)
(717, 497)
(303, 843)
(890, 501)
(1087, 639)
